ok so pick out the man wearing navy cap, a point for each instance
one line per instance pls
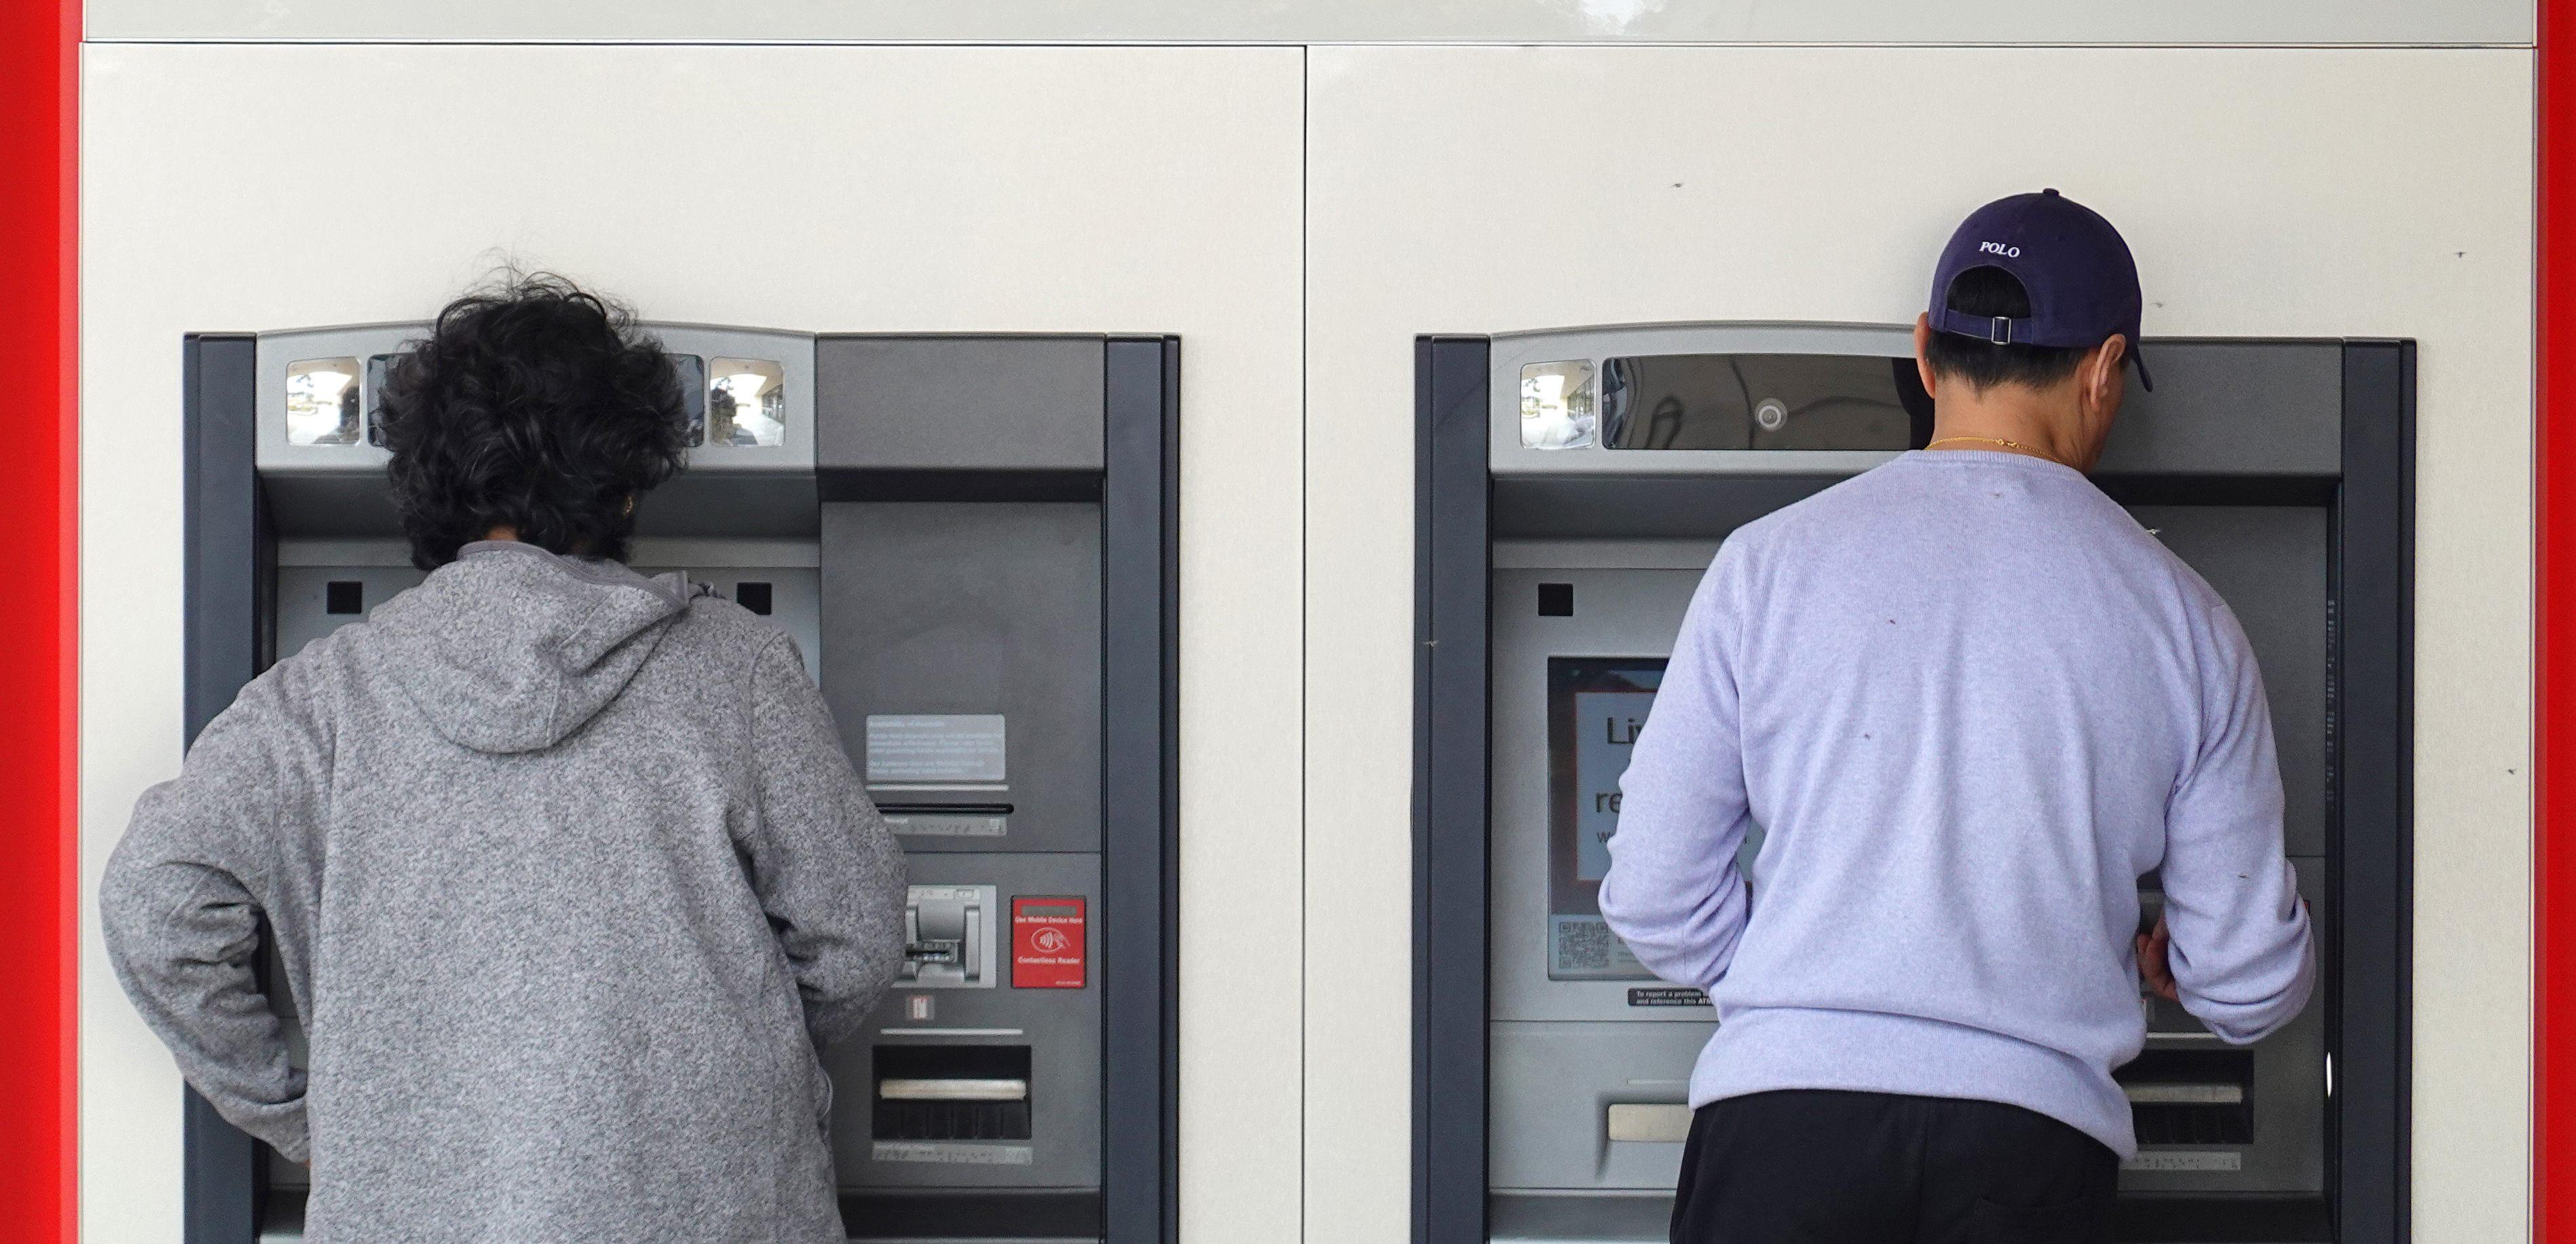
(1971, 702)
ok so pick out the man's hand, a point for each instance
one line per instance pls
(2155, 967)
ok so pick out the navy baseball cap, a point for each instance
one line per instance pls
(2082, 282)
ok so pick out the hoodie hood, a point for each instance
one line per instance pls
(510, 648)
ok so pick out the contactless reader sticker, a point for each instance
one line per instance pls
(936, 748)
(1048, 942)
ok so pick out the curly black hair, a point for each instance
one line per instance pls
(533, 405)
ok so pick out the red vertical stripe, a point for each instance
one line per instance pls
(39, 88)
(2554, 679)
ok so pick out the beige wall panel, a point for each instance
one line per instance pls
(2265, 192)
(1338, 21)
(819, 188)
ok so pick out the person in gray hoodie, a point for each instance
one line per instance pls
(566, 867)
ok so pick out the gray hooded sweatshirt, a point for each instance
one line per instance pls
(571, 878)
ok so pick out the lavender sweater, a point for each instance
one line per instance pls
(1970, 701)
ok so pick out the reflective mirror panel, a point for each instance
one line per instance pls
(1763, 401)
(322, 402)
(693, 395)
(379, 368)
(746, 402)
(1556, 406)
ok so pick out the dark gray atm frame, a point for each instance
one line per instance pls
(2370, 792)
(229, 575)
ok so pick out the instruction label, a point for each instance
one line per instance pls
(936, 748)
(1667, 995)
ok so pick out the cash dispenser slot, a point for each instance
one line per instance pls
(952, 1092)
(2191, 1097)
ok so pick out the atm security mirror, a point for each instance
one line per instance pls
(322, 402)
(971, 540)
(746, 402)
(1557, 406)
(1561, 545)
(1763, 401)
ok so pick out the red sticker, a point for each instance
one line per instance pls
(1046, 943)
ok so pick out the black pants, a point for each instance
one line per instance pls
(1811, 1167)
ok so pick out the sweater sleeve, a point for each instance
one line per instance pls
(827, 868)
(1673, 892)
(186, 890)
(2242, 954)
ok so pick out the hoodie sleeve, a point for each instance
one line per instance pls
(827, 868)
(2241, 952)
(1673, 893)
(185, 891)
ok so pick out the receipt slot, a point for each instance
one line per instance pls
(973, 540)
(1573, 486)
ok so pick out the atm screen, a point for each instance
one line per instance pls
(1763, 401)
(1595, 706)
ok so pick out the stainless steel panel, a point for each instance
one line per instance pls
(962, 403)
(727, 490)
(2219, 408)
(1553, 1086)
(2269, 564)
(2233, 407)
(793, 352)
(2288, 1099)
(1617, 613)
(1511, 351)
(938, 608)
(1060, 1027)
(1579, 1218)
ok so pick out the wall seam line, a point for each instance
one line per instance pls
(1305, 570)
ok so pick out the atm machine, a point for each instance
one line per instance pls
(1573, 486)
(973, 539)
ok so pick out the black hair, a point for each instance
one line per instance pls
(1986, 292)
(534, 405)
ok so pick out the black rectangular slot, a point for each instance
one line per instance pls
(2191, 1097)
(344, 596)
(902, 1113)
(1556, 600)
(753, 596)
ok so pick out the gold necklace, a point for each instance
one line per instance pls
(1997, 440)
